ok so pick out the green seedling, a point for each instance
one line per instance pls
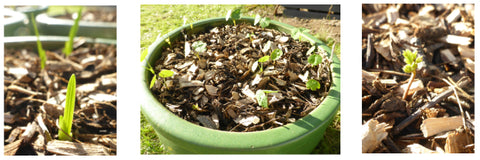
(263, 22)
(262, 98)
(262, 60)
(235, 15)
(168, 41)
(154, 78)
(315, 59)
(41, 52)
(65, 121)
(199, 47)
(297, 33)
(412, 61)
(313, 84)
(164, 74)
(276, 54)
(73, 31)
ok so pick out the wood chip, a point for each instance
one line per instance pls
(416, 86)
(76, 149)
(457, 141)
(458, 40)
(433, 126)
(373, 134)
(211, 90)
(419, 149)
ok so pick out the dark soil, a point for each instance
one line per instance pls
(223, 81)
(94, 14)
(446, 63)
(34, 99)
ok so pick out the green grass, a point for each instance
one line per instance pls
(157, 20)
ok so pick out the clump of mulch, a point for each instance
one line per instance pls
(216, 88)
(34, 99)
(437, 113)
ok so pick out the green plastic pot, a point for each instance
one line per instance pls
(49, 25)
(48, 42)
(14, 23)
(181, 136)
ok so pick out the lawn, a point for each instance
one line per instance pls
(157, 20)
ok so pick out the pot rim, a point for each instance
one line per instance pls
(17, 41)
(155, 112)
(46, 19)
(15, 17)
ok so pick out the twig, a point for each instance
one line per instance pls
(390, 144)
(397, 129)
(389, 72)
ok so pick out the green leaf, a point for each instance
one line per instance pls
(265, 22)
(313, 84)
(165, 73)
(276, 54)
(411, 60)
(315, 59)
(236, 14)
(41, 52)
(73, 31)
(199, 46)
(67, 119)
(152, 82)
(297, 32)
(262, 98)
(257, 19)
(264, 59)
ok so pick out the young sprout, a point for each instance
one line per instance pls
(164, 74)
(276, 54)
(262, 60)
(235, 15)
(41, 52)
(313, 84)
(154, 78)
(199, 47)
(168, 41)
(412, 62)
(65, 121)
(264, 22)
(315, 59)
(73, 31)
(297, 33)
(262, 98)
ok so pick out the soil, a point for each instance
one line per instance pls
(388, 31)
(94, 14)
(217, 88)
(34, 99)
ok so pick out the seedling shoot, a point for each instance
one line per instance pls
(41, 52)
(412, 61)
(313, 84)
(262, 60)
(73, 31)
(164, 74)
(65, 121)
(262, 99)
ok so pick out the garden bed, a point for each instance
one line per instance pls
(431, 109)
(34, 98)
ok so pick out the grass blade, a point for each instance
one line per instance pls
(41, 52)
(73, 31)
(67, 118)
